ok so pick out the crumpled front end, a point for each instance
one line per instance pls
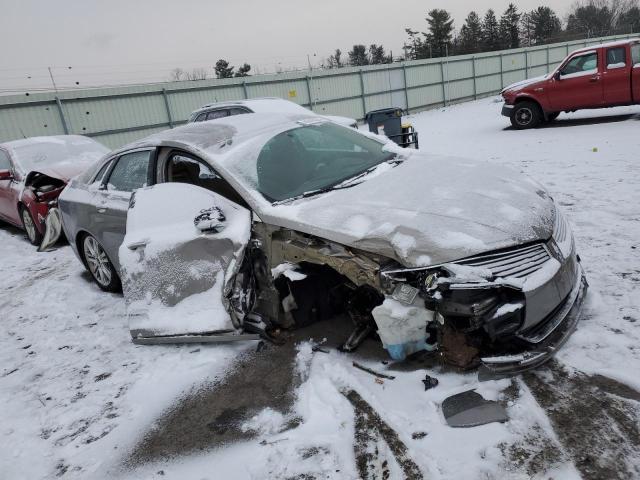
(508, 310)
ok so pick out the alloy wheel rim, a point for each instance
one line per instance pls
(524, 116)
(28, 225)
(99, 264)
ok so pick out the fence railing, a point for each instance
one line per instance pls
(119, 115)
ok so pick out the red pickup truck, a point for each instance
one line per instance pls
(600, 76)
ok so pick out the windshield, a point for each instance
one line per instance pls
(40, 152)
(309, 158)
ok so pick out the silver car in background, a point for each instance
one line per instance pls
(214, 111)
(288, 220)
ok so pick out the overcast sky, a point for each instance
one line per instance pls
(116, 41)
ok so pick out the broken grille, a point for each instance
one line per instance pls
(518, 262)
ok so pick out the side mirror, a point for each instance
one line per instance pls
(6, 175)
(557, 75)
(210, 220)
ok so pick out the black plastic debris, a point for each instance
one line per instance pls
(469, 409)
(430, 382)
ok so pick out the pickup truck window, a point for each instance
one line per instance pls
(635, 54)
(581, 64)
(616, 57)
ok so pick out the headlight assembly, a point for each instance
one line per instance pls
(562, 234)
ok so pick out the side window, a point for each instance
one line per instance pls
(581, 64)
(616, 58)
(5, 163)
(131, 172)
(183, 169)
(101, 173)
(238, 111)
(635, 54)
(217, 114)
(201, 118)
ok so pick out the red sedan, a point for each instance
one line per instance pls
(33, 173)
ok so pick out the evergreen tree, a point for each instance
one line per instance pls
(470, 38)
(490, 32)
(223, 70)
(510, 27)
(335, 60)
(440, 31)
(377, 55)
(243, 70)
(591, 19)
(358, 56)
(417, 48)
(545, 25)
(629, 21)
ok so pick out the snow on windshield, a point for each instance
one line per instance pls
(38, 152)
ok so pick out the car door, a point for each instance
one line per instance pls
(9, 190)
(182, 250)
(577, 84)
(131, 171)
(616, 76)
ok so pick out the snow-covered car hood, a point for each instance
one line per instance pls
(515, 87)
(64, 171)
(426, 211)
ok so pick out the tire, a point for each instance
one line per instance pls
(526, 115)
(29, 226)
(551, 117)
(99, 265)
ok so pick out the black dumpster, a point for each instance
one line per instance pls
(388, 122)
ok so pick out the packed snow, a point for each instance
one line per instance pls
(77, 395)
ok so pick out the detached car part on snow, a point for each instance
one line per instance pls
(300, 220)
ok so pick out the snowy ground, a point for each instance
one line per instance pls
(76, 396)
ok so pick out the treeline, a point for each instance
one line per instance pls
(490, 32)
(222, 69)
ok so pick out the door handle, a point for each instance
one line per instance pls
(594, 79)
(101, 209)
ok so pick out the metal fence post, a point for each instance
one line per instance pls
(63, 119)
(166, 104)
(444, 92)
(406, 91)
(473, 74)
(244, 89)
(526, 63)
(364, 100)
(501, 72)
(309, 93)
(548, 61)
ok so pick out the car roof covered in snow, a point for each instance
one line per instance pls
(257, 105)
(617, 43)
(220, 137)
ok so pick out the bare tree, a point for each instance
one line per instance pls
(176, 75)
(197, 74)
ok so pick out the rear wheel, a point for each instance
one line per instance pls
(29, 225)
(99, 265)
(526, 115)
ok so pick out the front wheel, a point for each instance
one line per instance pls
(526, 115)
(29, 225)
(99, 265)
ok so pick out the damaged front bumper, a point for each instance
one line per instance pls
(545, 341)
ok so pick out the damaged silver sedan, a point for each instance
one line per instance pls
(290, 220)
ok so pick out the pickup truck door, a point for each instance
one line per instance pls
(635, 72)
(577, 83)
(617, 76)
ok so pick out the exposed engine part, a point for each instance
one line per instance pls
(359, 304)
(456, 350)
(45, 188)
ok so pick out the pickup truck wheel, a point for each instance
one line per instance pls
(526, 115)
